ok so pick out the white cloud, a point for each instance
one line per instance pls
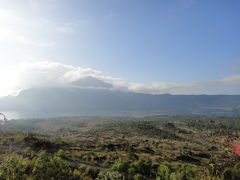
(64, 29)
(45, 73)
(163, 87)
(34, 3)
(38, 4)
(227, 85)
(231, 80)
(7, 17)
(34, 31)
(15, 28)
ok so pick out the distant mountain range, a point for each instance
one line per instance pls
(59, 101)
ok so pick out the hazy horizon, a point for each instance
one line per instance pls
(157, 47)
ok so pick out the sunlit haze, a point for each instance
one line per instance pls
(157, 47)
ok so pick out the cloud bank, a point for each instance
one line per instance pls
(44, 74)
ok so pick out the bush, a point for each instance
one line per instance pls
(141, 167)
(172, 171)
(232, 173)
(47, 167)
(14, 168)
(163, 171)
(90, 172)
(61, 153)
(131, 172)
(138, 177)
(120, 166)
(228, 174)
(110, 175)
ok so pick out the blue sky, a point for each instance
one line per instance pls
(140, 41)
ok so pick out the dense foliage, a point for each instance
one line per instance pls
(47, 166)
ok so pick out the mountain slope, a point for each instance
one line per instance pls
(55, 101)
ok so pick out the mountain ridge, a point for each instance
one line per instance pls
(90, 101)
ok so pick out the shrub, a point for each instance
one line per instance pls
(47, 167)
(138, 177)
(142, 167)
(14, 168)
(163, 171)
(228, 174)
(172, 171)
(120, 166)
(110, 175)
(61, 153)
(232, 173)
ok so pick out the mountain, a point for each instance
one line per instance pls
(91, 82)
(56, 101)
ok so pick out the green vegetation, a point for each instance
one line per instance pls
(159, 147)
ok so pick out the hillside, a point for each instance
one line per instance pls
(117, 148)
(55, 101)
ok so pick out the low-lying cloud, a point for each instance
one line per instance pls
(45, 74)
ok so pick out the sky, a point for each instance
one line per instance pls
(157, 46)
